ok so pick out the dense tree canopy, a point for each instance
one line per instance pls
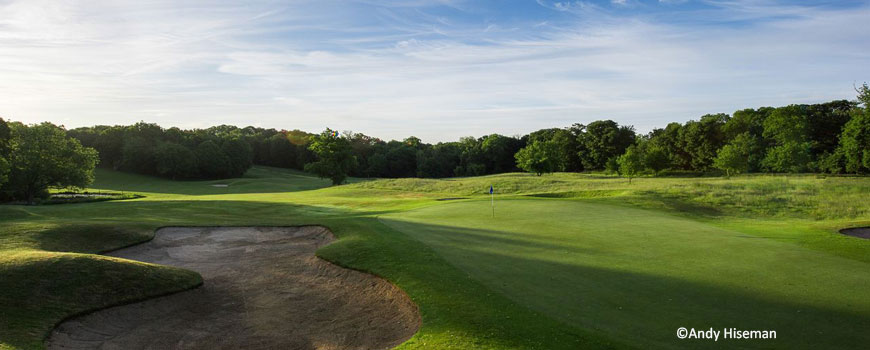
(733, 158)
(539, 157)
(175, 161)
(603, 140)
(5, 135)
(335, 158)
(43, 156)
(832, 137)
(854, 145)
(149, 149)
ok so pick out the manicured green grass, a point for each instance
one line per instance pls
(638, 275)
(547, 273)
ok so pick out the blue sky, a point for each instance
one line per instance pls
(436, 69)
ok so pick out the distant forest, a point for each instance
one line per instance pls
(831, 137)
(828, 137)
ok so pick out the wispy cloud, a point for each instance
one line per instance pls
(435, 69)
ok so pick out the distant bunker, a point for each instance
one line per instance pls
(263, 288)
(860, 232)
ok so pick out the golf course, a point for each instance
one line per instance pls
(560, 261)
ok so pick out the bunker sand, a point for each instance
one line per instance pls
(263, 289)
(860, 232)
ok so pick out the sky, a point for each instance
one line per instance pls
(435, 69)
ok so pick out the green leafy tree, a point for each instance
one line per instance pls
(334, 156)
(603, 140)
(825, 122)
(211, 160)
(733, 158)
(791, 157)
(788, 128)
(855, 140)
(438, 161)
(240, 156)
(5, 134)
(655, 157)
(701, 139)
(43, 156)
(539, 157)
(175, 161)
(566, 143)
(630, 162)
(498, 152)
(138, 155)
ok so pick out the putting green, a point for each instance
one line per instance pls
(638, 275)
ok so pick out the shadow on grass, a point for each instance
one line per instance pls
(458, 312)
(502, 300)
(642, 309)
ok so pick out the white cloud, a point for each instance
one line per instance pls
(273, 66)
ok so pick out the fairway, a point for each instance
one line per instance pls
(637, 275)
(612, 265)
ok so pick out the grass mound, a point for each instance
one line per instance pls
(48, 272)
(39, 289)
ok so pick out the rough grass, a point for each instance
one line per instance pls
(47, 250)
(752, 195)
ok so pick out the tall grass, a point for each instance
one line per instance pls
(801, 196)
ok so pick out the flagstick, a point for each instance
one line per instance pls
(492, 203)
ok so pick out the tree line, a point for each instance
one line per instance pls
(212, 153)
(824, 137)
(832, 137)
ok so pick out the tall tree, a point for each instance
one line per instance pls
(334, 156)
(498, 151)
(655, 157)
(825, 122)
(212, 161)
(567, 147)
(240, 156)
(603, 140)
(787, 127)
(701, 139)
(175, 161)
(43, 156)
(5, 135)
(733, 158)
(855, 141)
(631, 162)
(138, 155)
(539, 157)
(671, 143)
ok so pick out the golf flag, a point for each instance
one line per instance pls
(492, 200)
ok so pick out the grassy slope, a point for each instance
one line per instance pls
(45, 277)
(461, 309)
(638, 274)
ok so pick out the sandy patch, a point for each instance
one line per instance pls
(860, 232)
(263, 289)
(220, 185)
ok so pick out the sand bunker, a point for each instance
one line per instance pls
(263, 289)
(860, 232)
